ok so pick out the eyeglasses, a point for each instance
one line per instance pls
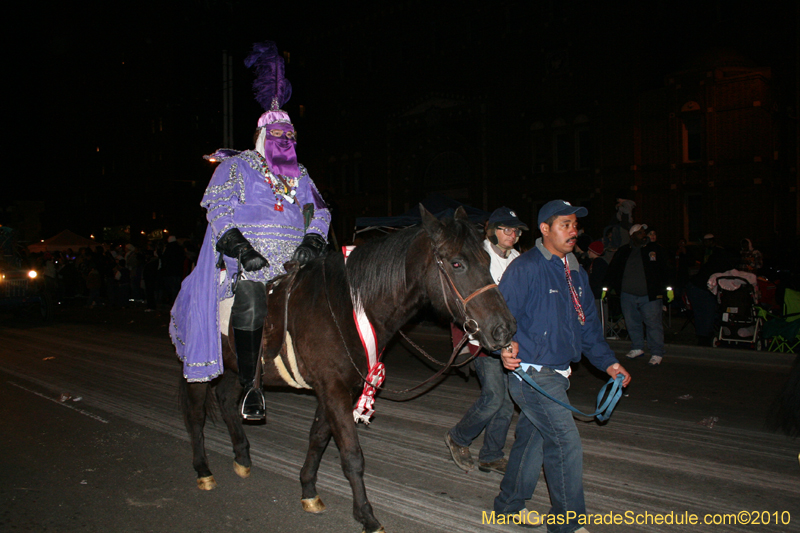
(291, 135)
(511, 231)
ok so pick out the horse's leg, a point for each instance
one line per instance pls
(228, 391)
(338, 405)
(194, 416)
(318, 440)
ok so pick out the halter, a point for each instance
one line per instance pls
(471, 326)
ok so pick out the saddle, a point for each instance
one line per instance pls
(277, 347)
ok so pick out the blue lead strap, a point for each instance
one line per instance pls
(604, 409)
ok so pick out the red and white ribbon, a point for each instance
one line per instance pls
(377, 372)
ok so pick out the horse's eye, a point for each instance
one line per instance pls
(457, 265)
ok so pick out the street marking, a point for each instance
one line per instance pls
(81, 411)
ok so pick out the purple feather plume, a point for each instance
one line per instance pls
(270, 82)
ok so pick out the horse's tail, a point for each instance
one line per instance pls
(208, 402)
(784, 415)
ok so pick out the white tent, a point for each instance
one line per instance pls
(61, 242)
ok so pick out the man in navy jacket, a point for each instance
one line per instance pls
(549, 295)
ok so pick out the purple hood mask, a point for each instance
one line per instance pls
(279, 152)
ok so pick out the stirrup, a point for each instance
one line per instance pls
(254, 406)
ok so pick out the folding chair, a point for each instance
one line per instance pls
(686, 310)
(613, 321)
(784, 330)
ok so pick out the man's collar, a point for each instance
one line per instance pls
(571, 259)
(545, 252)
(499, 251)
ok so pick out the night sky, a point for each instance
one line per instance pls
(90, 81)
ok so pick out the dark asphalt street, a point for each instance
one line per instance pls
(688, 436)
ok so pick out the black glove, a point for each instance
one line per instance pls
(233, 244)
(309, 249)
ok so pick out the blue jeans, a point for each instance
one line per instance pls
(546, 435)
(493, 411)
(639, 311)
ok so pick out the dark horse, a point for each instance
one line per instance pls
(393, 277)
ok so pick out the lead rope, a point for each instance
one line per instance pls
(604, 407)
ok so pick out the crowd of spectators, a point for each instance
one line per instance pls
(117, 275)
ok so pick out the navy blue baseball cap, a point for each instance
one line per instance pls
(503, 216)
(560, 208)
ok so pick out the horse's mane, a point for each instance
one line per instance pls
(377, 268)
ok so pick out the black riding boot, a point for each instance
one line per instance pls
(247, 347)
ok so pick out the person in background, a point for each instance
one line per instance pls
(751, 259)
(598, 267)
(133, 260)
(625, 209)
(710, 247)
(638, 273)
(94, 284)
(150, 279)
(704, 304)
(582, 247)
(122, 280)
(171, 272)
(683, 263)
(492, 411)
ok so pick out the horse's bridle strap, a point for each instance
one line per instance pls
(479, 291)
(462, 301)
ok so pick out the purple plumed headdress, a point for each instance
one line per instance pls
(272, 90)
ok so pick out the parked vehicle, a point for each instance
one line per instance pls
(22, 289)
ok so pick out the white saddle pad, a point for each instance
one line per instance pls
(225, 307)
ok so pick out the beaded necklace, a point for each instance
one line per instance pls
(283, 187)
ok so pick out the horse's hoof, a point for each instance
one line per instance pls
(313, 505)
(206, 483)
(241, 471)
(380, 530)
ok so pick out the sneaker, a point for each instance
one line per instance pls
(633, 354)
(498, 465)
(461, 455)
(655, 360)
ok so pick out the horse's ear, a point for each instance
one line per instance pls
(461, 214)
(431, 224)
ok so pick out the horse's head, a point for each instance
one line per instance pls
(460, 277)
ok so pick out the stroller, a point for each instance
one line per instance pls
(739, 320)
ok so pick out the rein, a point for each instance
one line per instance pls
(431, 358)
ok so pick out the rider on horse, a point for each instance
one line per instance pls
(263, 210)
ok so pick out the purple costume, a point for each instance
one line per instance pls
(243, 194)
